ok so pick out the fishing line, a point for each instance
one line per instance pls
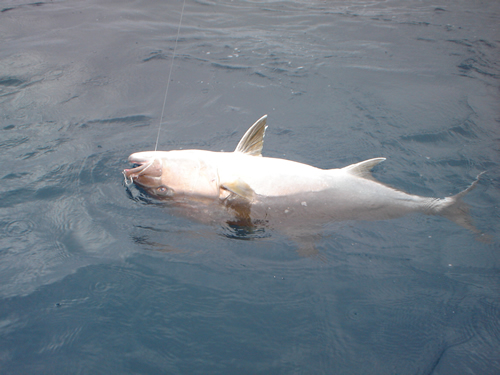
(169, 74)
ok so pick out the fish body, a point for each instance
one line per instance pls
(258, 188)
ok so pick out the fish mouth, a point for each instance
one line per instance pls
(137, 170)
(146, 172)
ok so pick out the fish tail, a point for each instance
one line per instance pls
(456, 210)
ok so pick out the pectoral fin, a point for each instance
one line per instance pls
(239, 188)
(253, 140)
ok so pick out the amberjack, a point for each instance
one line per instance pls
(254, 188)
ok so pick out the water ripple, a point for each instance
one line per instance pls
(19, 228)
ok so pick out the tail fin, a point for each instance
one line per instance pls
(456, 210)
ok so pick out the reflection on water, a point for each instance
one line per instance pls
(97, 277)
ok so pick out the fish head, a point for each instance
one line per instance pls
(167, 174)
(147, 173)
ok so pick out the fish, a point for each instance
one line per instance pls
(251, 188)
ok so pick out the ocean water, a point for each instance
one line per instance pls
(98, 278)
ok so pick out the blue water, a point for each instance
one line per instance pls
(97, 278)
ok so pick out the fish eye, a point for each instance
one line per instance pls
(164, 190)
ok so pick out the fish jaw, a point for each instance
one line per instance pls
(148, 171)
(145, 156)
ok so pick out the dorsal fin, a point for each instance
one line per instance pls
(253, 140)
(363, 168)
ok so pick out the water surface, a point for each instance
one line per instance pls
(95, 277)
